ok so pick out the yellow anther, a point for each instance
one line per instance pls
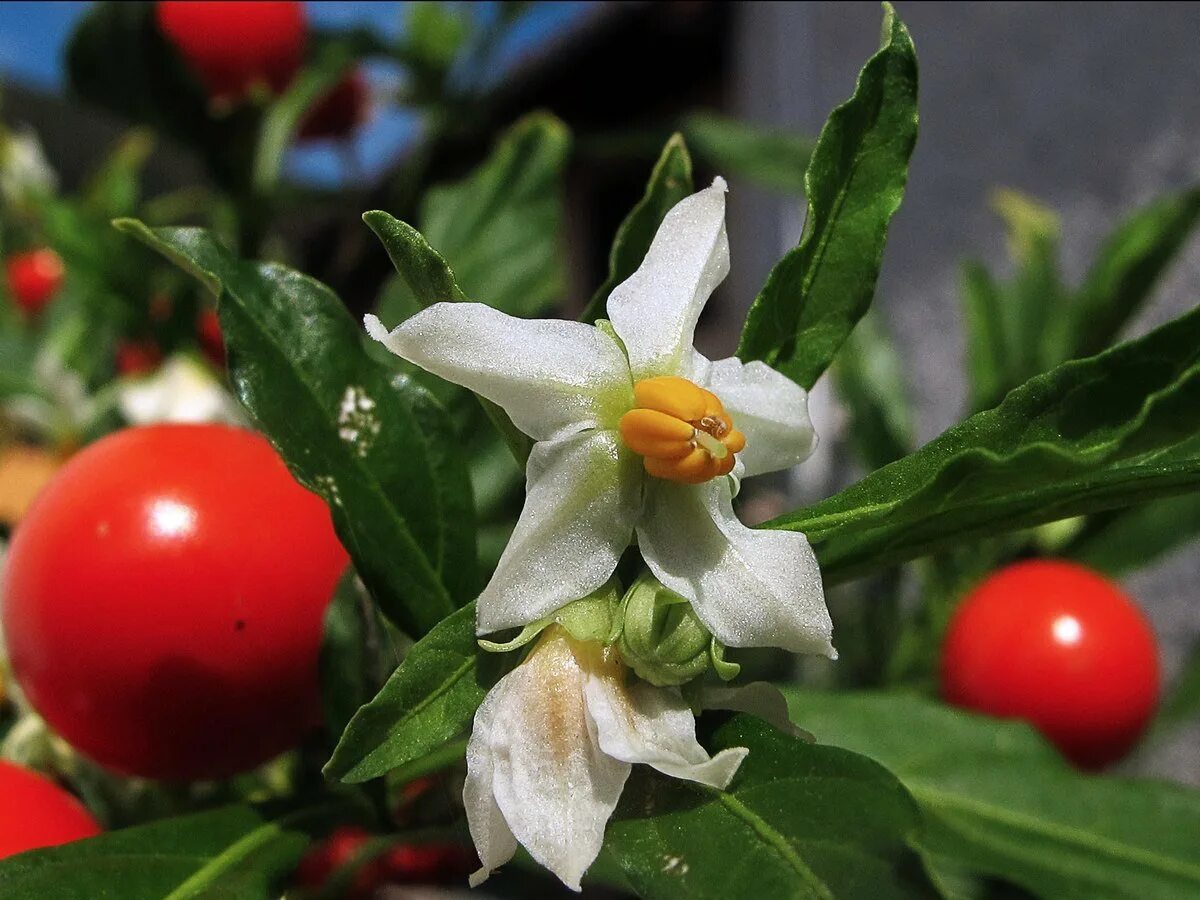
(681, 430)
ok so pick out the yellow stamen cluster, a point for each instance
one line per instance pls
(681, 429)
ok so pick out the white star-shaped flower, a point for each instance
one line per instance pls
(552, 746)
(638, 433)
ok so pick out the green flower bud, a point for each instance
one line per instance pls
(662, 640)
(592, 618)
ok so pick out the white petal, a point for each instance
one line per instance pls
(770, 409)
(583, 495)
(553, 784)
(655, 310)
(553, 377)
(494, 841)
(640, 723)
(758, 698)
(750, 587)
(182, 390)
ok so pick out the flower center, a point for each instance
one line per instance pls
(681, 430)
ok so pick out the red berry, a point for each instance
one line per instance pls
(234, 45)
(336, 852)
(1061, 647)
(34, 277)
(138, 357)
(164, 601)
(429, 863)
(35, 812)
(212, 341)
(340, 112)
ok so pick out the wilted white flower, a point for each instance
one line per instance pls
(553, 744)
(638, 433)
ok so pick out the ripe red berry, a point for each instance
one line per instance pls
(35, 812)
(138, 357)
(34, 277)
(1061, 647)
(234, 45)
(340, 112)
(164, 599)
(434, 863)
(336, 852)
(212, 341)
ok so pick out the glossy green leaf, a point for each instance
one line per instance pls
(998, 799)
(378, 449)
(1090, 435)
(1128, 267)
(769, 157)
(870, 381)
(855, 181)
(670, 181)
(798, 821)
(429, 701)
(234, 853)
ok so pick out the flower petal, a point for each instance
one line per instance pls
(553, 784)
(641, 723)
(553, 377)
(494, 840)
(770, 409)
(654, 311)
(750, 587)
(583, 495)
(758, 698)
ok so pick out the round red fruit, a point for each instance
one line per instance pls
(212, 340)
(234, 45)
(337, 851)
(38, 813)
(340, 112)
(1061, 647)
(138, 357)
(164, 598)
(34, 277)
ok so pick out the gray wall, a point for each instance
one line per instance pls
(1093, 108)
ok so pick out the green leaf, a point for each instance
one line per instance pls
(1089, 435)
(500, 229)
(1130, 539)
(434, 33)
(1181, 704)
(354, 649)
(670, 181)
(997, 799)
(282, 120)
(1033, 306)
(769, 157)
(798, 821)
(1128, 266)
(854, 184)
(986, 337)
(428, 702)
(234, 853)
(378, 449)
(870, 381)
(115, 188)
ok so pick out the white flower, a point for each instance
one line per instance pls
(182, 390)
(553, 744)
(636, 433)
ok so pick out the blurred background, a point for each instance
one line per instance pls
(1088, 108)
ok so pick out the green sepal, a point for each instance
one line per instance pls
(591, 618)
(726, 671)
